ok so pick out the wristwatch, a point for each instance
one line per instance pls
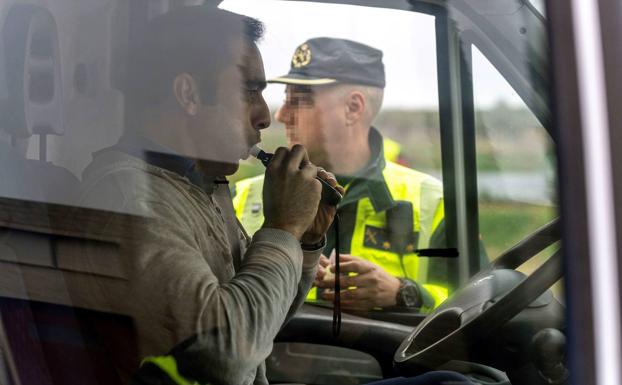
(315, 246)
(408, 294)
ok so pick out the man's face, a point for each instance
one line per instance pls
(256, 114)
(235, 122)
(315, 118)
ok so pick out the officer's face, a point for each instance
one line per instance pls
(314, 117)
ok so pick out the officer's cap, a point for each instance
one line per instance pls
(326, 60)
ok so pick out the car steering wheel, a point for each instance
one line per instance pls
(489, 300)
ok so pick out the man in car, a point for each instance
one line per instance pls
(194, 110)
(334, 92)
(207, 301)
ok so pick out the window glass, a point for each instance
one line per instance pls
(515, 162)
(516, 168)
(540, 6)
(122, 127)
(410, 107)
(382, 228)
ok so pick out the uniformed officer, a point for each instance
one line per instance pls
(334, 91)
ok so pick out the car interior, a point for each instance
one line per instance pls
(467, 98)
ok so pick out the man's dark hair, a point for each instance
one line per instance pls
(253, 29)
(197, 40)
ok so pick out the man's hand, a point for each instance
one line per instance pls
(371, 287)
(325, 213)
(291, 193)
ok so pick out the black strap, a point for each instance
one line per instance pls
(337, 299)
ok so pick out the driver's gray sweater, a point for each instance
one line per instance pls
(185, 281)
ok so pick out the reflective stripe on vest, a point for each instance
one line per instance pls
(168, 365)
(423, 191)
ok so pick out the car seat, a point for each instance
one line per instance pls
(43, 342)
(31, 105)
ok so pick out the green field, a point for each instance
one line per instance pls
(503, 224)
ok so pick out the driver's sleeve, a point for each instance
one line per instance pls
(239, 192)
(229, 325)
(309, 268)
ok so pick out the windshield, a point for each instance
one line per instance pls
(260, 191)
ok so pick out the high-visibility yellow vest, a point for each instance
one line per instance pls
(167, 374)
(369, 237)
(392, 149)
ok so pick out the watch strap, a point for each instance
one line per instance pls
(314, 246)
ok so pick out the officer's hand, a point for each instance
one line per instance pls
(325, 214)
(323, 271)
(291, 193)
(370, 287)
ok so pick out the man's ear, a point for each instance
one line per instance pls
(186, 92)
(355, 107)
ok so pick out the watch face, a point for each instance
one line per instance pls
(408, 295)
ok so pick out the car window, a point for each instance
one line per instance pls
(540, 6)
(410, 107)
(408, 120)
(122, 249)
(516, 179)
(516, 168)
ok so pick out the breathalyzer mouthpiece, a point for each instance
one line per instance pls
(254, 151)
(260, 154)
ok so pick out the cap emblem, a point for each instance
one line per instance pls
(302, 56)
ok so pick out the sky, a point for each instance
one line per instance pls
(407, 40)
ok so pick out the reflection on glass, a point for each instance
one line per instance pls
(143, 263)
